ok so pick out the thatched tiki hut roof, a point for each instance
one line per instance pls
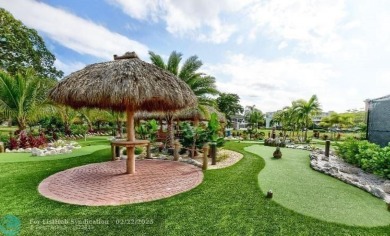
(193, 113)
(129, 83)
(125, 84)
(196, 113)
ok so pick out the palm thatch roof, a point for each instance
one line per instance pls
(126, 82)
(200, 113)
(194, 113)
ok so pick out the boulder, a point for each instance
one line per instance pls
(378, 192)
(386, 187)
(349, 170)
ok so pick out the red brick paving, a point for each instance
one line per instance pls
(106, 183)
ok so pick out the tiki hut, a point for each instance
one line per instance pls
(125, 84)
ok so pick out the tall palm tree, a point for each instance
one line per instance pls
(306, 109)
(24, 96)
(201, 84)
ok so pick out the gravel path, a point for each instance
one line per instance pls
(234, 157)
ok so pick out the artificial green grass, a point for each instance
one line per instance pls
(296, 186)
(99, 143)
(22, 157)
(228, 202)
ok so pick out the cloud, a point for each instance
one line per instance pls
(199, 19)
(68, 67)
(282, 45)
(271, 85)
(71, 31)
(313, 24)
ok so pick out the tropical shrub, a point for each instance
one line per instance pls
(137, 151)
(222, 156)
(13, 143)
(24, 140)
(369, 156)
(147, 130)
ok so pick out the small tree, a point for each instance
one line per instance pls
(193, 137)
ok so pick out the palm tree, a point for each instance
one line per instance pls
(23, 97)
(201, 84)
(306, 109)
(254, 117)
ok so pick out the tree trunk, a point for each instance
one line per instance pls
(22, 123)
(193, 149)
(119, 128)
(67, 128)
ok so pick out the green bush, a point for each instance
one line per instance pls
(369, 156)
(137, 151)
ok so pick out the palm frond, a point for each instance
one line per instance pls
(174, 62)
(157, 60)
(190, 66)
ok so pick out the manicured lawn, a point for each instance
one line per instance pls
(98, 144)
(228, 202)
(298, 187)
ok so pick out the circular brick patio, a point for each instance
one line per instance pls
(105, 183)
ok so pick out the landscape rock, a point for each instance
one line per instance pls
(350, 174)
(386, 187)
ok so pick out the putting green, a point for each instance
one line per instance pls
(22, 157)
(299, 188)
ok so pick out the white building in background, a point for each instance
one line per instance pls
(316, 119)
(238, 122)
(268, 118)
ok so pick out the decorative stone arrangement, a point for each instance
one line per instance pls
(302, 147)
(350, 174)
(55, 148)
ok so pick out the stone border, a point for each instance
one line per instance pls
(350, 174)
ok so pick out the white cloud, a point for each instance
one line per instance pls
(271, 85)
(282, 45)
(68, 67)
(313, 24)
(199, 19)
(71, 31)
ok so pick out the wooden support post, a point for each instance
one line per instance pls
(176, 150)
(148, 151)
(130, 160)
(205, 156)
(112, 152)
(327, 148)
(213, 153)
(130, 137)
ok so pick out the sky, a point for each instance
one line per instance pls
(269, 52)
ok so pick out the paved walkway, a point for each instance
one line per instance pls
(105, 183)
